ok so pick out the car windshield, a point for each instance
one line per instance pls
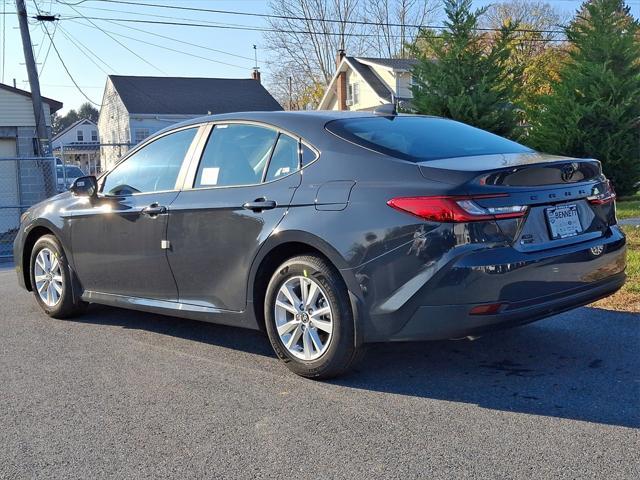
(420, 139)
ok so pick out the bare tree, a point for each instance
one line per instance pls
(308, 34)
(313, 32)
(542, 19)
(397, 23)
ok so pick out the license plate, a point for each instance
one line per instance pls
(563, 221)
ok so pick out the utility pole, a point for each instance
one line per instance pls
(34, 82)
(290, 93)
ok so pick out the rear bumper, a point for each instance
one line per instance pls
(432, 300)
(453, 321)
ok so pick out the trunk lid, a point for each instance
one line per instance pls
(559, 193)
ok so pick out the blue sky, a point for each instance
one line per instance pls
(56, 84)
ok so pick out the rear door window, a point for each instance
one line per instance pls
(235, 154)
(285, 158)
(420, 139)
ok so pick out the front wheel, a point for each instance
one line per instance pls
(51, 280)
(309, 318)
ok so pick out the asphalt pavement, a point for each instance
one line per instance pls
(120, 394)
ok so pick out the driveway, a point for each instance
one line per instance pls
(123, 394)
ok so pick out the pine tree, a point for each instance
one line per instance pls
(466, 75)
(594, 108)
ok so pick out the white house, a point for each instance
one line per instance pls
(79, 144)
(364, 83)
(136, 107)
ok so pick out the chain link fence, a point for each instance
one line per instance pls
(24, 181)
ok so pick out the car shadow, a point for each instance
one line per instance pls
(581, 365)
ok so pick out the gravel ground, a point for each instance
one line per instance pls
(118, 394)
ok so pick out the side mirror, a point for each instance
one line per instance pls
(85, 186)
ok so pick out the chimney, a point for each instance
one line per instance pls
(255, 74)
(341, 82)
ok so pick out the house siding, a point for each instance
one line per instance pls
(113, 127)
(17, 110)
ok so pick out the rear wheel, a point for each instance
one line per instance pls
(51, 280)
(309, 319)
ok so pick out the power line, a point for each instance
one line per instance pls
(82, 47)
(181, 41)
(173, 49)
(157, 15)
(119, 42)
(66, 69)
(306, 19)
(46, 55)
(147, 15)
(261, 29)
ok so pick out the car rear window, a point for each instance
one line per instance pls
(420, 139)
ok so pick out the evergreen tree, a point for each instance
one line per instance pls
(466, 75)
(594, 108)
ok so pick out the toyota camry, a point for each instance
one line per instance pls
(329, 231)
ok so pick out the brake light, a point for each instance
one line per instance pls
(455, 208)
(600, 198)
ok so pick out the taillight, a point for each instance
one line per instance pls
(455, 208)
(600, 198)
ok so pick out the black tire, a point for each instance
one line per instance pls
(66, 306)
(341, 351)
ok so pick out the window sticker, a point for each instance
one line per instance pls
(210, 176)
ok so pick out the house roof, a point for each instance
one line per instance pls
(363, 67)
(392, 63)
(370, 77)
(191, 96)
(54, 105)
(73, 125)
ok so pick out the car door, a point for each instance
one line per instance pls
(234, 197)
(119, 239)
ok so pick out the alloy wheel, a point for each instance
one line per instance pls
(48, 277)
(304, 320)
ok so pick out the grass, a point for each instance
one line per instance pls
(628, 208)
(628, 298)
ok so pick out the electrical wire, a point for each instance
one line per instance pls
(258, 29)
(173, 49)
(82, 47)
(120, 43)
(46, 56)
(306, 19)
(73, 80)
(184, 42)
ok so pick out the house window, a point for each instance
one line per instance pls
(94, 135)
(353, 93)
(141, 134)
(80, 135)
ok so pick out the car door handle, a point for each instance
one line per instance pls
(154, 210)
(260, 204)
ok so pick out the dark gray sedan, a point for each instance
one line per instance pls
(329, 230)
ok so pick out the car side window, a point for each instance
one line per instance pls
(285, 158)
(153, 168)
(235, 154)
(308, 155)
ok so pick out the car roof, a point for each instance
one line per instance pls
(308, 124)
